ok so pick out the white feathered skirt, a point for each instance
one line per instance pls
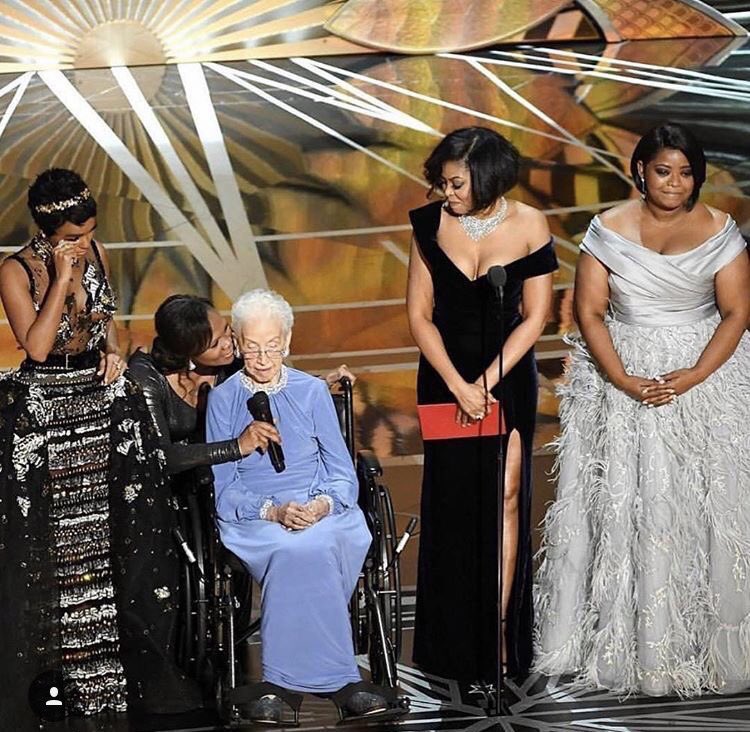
(644, 584)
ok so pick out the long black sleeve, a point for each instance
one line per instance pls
(180, 455)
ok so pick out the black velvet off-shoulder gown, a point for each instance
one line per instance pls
(456, 616)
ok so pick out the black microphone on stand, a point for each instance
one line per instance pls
(496, 277)
(260, 409)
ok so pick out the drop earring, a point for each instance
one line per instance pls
(191, 366)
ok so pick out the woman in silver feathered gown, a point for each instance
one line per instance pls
(645, 580)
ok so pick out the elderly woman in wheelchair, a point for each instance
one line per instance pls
(298, 531)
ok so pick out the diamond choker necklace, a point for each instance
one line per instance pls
(477, 228)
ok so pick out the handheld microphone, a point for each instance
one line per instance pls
(260, 409)
(497, 276)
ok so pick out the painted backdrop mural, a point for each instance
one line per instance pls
(244, 148)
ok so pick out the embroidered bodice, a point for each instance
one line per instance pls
(80, 329)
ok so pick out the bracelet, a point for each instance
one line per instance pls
(265, 509)
(328, 500)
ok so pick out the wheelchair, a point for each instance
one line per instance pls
(216, 598)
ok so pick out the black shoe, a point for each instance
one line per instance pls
(267, 703)
(362, 700)
(268, 709)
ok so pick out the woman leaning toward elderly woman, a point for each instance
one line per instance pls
(300, 532)
(193, 349)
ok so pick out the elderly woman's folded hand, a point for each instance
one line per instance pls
(319, 507)
(293, 516)
(296, 516)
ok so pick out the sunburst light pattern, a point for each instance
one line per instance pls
(104, 33)
(298, 173)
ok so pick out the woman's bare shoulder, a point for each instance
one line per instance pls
(533, 222)
(11, 268)
(715, 217)
(525, 212)
(620, 214)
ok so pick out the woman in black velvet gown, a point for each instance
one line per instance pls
(454, 320)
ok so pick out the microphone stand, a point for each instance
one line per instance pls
(496, 276)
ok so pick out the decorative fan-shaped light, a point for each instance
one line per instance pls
(93, 34)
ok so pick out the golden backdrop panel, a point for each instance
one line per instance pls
(299, 174)
(81, 34)
(431, 26)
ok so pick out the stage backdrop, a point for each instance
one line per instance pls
(241, 144)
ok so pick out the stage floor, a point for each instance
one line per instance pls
(536, 704)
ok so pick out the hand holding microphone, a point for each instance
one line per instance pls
(260, 408)
(257, 436)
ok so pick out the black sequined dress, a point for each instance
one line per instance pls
(88, 566)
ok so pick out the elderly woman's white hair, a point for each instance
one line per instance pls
(262, 302)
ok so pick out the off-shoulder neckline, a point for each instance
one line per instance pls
(727, 224)
(549, 243)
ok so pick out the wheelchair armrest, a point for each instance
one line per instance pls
(368, 463)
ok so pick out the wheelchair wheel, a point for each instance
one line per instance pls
(200, 577)
(383, 590)
(392, 576)
(359, 620)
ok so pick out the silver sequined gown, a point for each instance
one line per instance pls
(88, 566)
(645, 580)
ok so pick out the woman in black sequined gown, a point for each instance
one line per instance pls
(454, 319)
(88, 567)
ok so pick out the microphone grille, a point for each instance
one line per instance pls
(258, 403)
(497, 276)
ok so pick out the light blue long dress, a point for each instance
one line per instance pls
(307, 577)
(645, 583)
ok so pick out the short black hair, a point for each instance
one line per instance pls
(673, 136)
(493, 163)
(182, 331)
(53, 186)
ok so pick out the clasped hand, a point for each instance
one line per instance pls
(296, 516)
(474, 403)
(661, 390)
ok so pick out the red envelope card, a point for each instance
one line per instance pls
(438, 422)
